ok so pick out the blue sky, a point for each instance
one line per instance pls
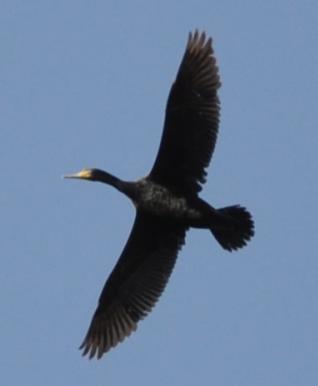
(85, 84)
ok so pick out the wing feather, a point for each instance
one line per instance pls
(192, 120)
(135, 284)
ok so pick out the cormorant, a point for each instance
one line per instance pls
(167, 202)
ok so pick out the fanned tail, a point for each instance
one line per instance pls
(235, 228)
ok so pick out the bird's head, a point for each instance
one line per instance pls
(85, 174)
(96, 175)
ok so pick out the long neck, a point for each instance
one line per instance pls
(107, 178)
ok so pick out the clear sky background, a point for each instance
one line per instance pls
(85, 84)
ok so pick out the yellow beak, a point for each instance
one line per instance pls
(84, 174)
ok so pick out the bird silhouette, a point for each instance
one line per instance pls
(167, 202)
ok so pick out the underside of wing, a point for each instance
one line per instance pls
(192, 119)
(135, 284)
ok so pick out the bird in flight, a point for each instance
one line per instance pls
(167, 202)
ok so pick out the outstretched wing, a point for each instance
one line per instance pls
(135, 284)
(192, 119)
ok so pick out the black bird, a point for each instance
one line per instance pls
(167, 202)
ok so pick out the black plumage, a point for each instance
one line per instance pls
(167, 202)
(192, 120)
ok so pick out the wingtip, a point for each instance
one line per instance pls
(199, 39)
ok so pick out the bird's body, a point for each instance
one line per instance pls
(160, 201)
(167, 203)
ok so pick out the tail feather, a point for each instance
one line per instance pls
(235, 228)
